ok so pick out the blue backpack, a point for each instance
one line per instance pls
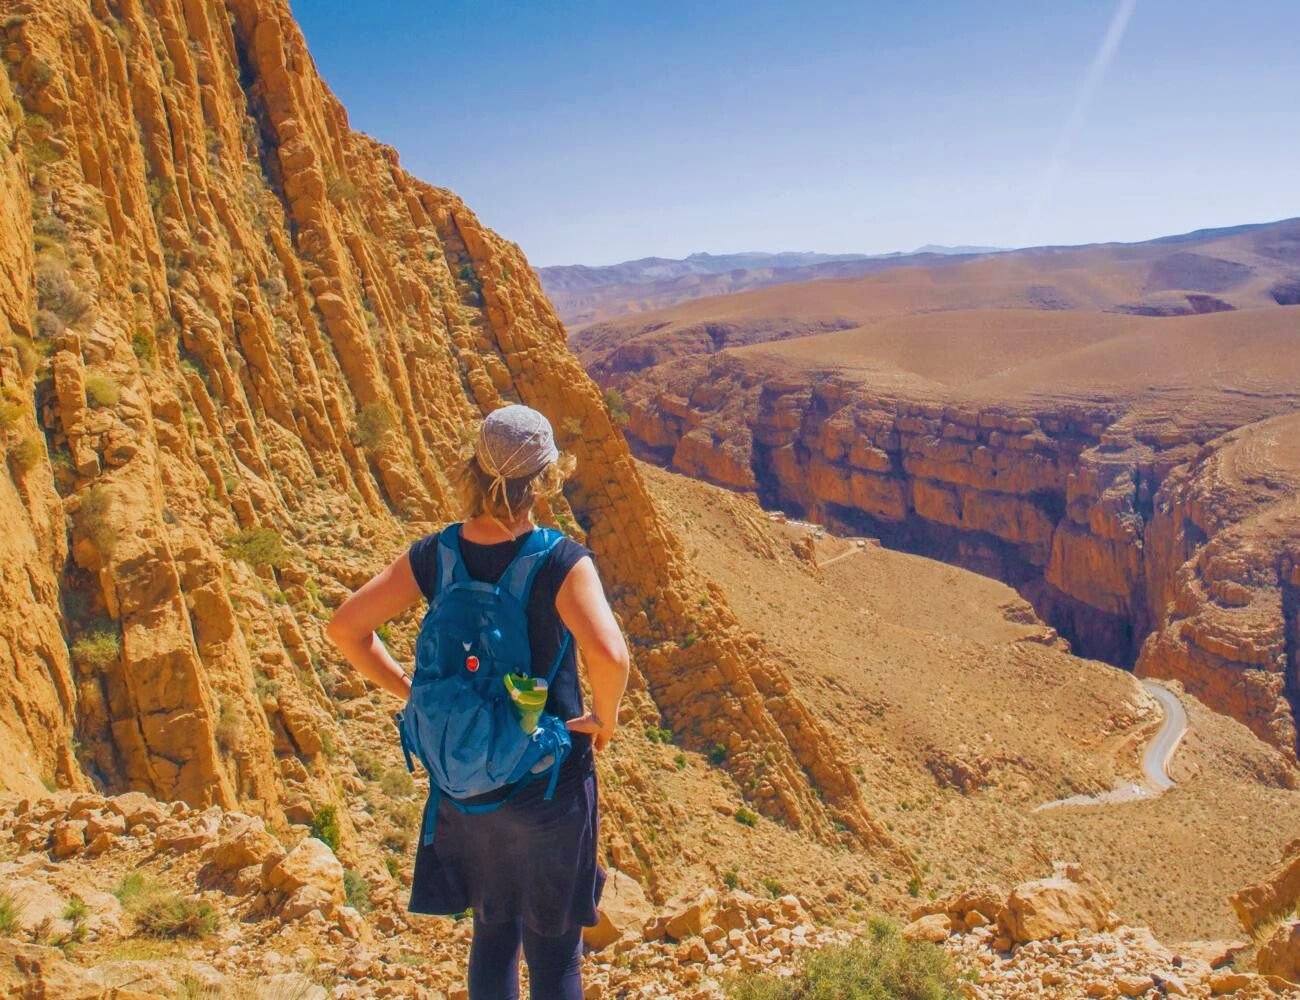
(460, 720)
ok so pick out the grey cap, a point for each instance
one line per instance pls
(515, 442)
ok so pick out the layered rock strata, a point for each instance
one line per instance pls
(1114, 517)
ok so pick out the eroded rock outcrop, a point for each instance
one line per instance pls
(240, 346)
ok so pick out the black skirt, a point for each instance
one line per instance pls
(529, 860)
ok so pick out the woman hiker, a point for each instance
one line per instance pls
(527, 868)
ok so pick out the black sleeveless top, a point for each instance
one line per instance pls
(545, 629)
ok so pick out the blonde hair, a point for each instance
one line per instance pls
(477, 497)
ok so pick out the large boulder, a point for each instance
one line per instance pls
(691, 919)
(1064, 905)
(310, 863)
(245, 842)
(623, 908)
(1280, 954)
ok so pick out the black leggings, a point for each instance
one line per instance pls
(554, 963)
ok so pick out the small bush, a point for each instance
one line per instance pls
(28, 358)
(617, 407)
(57, 292)
(746, 817)
(730, 879)
(717, 753)
(914, 886)
(102, 391)
(229, 727)
(133, 890)
(680, 761)
(325, 827)
(467, 273)
(97, 651)
(11, 412)
(658, 734)
(8, 913)
(171, 915)
(342, 189)
(258, 547)
(358, 891)
(773, 888)
(368, 765)
(881, 966)
(398, 783)
(76, 910)
(48, 324)
(394, 865)
(373, 424)
(142, 345)
(92, 518)
(26, 454)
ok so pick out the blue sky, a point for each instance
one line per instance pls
(592, 131)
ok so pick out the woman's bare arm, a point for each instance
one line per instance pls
(583, 608)
(352, 629)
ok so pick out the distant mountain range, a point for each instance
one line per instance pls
(585, 294)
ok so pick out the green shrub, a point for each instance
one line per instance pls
(76, 910)
(914, 886)
(773, 888)
(881, 966)
(717, 753)
(133, 890)
(258, 547)
(325, 827)
(142, 345)
(394, 865)
(730, 879)
(11, 412)
(398, 783)
(658, 734)
(467, 272)
(617, 407)
(8, 913)
(97, 651)
(373, 424)
(171, 915)
(358, 891)
(680, 761)
(102, 391)
(746, 817)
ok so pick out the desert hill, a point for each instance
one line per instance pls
(1183, 273)
(1025, 415)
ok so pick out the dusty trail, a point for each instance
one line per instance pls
(1155, 761)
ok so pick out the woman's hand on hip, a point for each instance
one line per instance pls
(600, 733)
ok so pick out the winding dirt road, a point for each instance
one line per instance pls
(1155, 761)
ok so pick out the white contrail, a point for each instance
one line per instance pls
(1065, 138)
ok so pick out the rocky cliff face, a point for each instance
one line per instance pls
(1116, 518)
(240, 348)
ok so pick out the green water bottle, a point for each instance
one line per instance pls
(528, 695)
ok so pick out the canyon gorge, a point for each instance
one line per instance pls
(1134, 476)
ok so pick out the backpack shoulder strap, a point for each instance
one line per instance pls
(518, 578)
(451, 567)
